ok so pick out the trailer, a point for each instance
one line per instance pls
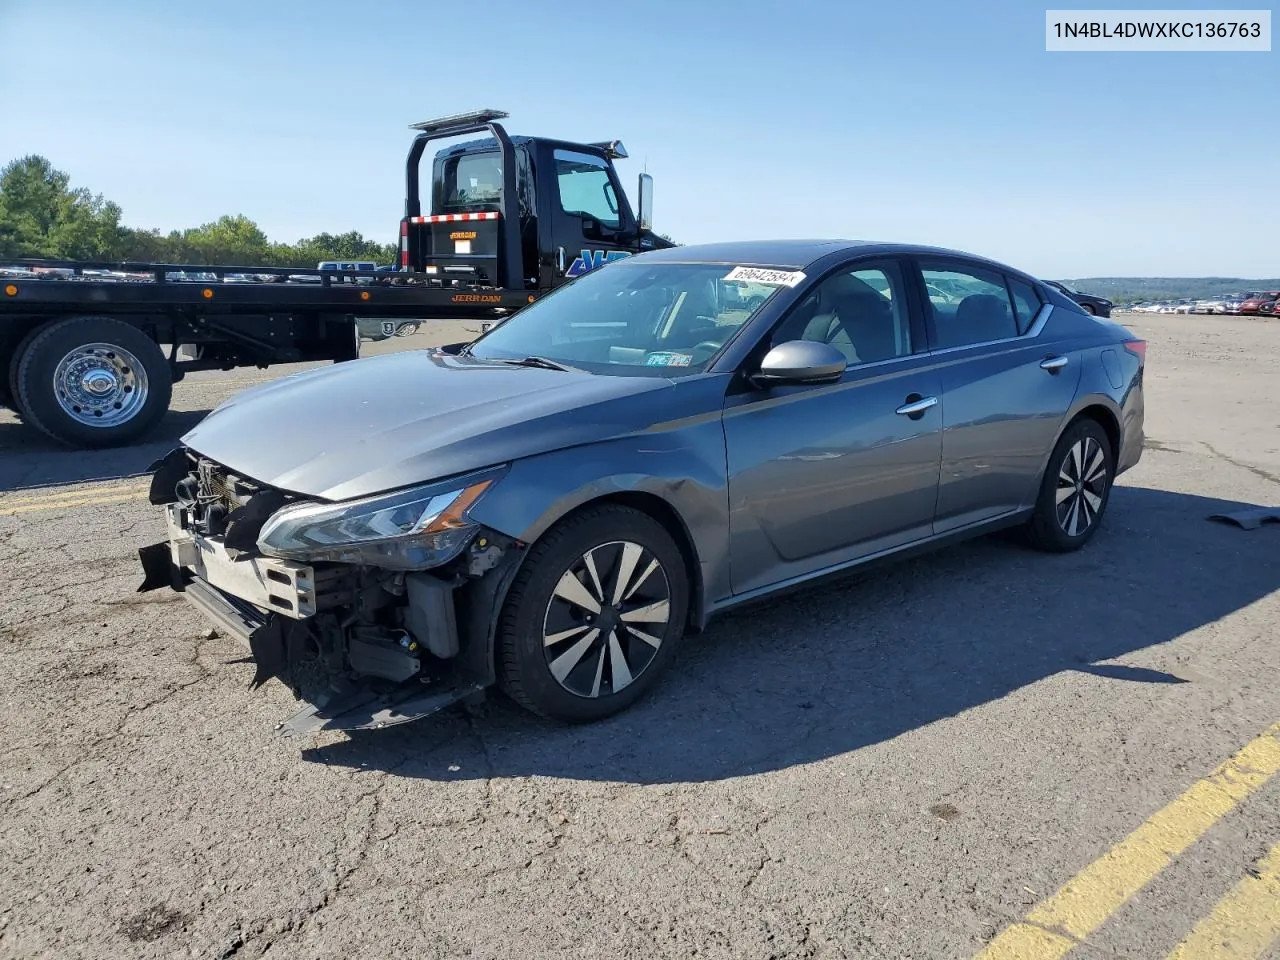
(89, 351)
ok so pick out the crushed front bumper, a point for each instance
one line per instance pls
(264, 604)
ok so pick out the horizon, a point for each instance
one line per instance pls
(929, 124)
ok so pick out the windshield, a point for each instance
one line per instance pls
(632, 319)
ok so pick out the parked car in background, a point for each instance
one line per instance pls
(1257, 300)
(1098, 306)
(1270, 308)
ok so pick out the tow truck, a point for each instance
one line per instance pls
(510, 219)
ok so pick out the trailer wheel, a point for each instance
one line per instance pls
(92, 382)
(11, 383)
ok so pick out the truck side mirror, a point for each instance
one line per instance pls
(645, 197)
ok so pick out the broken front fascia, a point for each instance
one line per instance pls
(365, 645)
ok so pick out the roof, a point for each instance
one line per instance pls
(473, 146)
(796, 253)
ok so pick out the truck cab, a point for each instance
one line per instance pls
(517, 212)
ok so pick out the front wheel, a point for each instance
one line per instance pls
(92, 382)
(1075, 490)
(1089, 309)
(407, 330)
(594, 615)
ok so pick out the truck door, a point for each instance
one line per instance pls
(591, 220)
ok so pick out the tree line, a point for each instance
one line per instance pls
(42, 215)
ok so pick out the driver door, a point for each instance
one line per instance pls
(821, 475)
(591, 223)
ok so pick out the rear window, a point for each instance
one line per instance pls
(470, 180)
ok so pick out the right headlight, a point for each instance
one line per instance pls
(413, 529)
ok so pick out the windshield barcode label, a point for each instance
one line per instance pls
(787, 278)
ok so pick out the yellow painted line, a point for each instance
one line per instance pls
(72, 504)
(1089, 898)
(74, 493)
(1244, 923)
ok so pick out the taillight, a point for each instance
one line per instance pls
(1138, 348)
(404, 244)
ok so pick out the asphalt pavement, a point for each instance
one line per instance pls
(986, 752)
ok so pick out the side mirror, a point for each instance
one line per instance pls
(644, 195)
(800, 362)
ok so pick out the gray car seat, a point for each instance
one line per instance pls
(860, 325)
(979, 317)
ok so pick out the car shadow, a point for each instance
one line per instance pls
(30, 459)
(865, 658)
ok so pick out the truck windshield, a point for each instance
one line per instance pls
(470, 180)
(632, 319)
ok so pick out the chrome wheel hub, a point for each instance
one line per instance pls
(100, 385)
(606, 619)
(1082, 483)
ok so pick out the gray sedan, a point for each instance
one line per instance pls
(555, 505)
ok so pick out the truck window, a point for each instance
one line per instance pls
(585, 187)
(471, 179)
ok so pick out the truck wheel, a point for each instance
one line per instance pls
(92, 382)
(11, 383)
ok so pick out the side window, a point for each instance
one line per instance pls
(862, 312)
(969, 304)
(1026, 302)
(585, 187)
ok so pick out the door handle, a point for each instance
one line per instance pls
(916, 408)
(560, 259)
(1053, 364)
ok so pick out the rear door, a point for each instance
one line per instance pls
(1007, 382)
(591, 220)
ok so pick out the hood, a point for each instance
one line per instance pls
(365, 426)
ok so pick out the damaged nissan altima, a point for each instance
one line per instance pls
(552, 506)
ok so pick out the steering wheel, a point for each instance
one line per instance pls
(711, 346)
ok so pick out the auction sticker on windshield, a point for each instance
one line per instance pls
(786, 278)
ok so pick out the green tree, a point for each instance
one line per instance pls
(41, 216)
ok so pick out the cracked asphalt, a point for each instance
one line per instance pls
(900, 763)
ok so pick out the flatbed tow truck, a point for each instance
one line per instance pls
(511, 218)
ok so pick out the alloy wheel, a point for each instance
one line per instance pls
(1082, 484)
(606, 619)
(100, 385)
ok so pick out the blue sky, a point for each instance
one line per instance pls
(934, 121)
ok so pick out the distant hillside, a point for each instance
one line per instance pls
(1126, 290)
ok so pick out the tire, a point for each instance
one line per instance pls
(1088, 308)
(1060, 527)
(12, 381)
(408, 330)
(592, 671)
(131, 382)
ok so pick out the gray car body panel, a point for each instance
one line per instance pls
(372, 425)
(770, 487)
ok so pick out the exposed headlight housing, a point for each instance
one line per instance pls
(413, 529)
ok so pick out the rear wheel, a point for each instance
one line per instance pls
(92, 382)
(1088, 308)
(407, 330)
(594, 615)
(1075, 490)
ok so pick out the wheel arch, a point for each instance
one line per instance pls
(1105, 416)
(647, 502)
